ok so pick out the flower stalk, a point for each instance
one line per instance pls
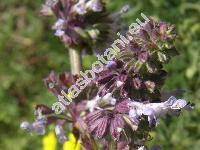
(75, 61)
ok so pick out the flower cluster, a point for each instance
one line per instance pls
(124, 102)
(138, 72)
(80, 23)
(129, 88)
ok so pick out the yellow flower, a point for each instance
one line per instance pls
(49, 142)
(72, 144)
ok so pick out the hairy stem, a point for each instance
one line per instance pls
(75, 61)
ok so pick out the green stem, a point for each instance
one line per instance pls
(75, 61)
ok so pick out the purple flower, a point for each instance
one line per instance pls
(95, 5)
(36, 127)
(111, 65)
(121, 102)
(44, 116)
(111, 81)
(59, 25)
(115, 79)
(80, 7)
(101, 122)
(74, 21)
(59, 33)
(155, 111)
(56, 84)
(46, 8)
(105, 121)
(60, 133)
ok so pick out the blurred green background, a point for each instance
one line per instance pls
(29, 51)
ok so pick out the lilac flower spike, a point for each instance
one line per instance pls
(126, 96)
(154, 111)
(74, 25)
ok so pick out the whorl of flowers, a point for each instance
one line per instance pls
(138, 72)
(130, 83)
(80, 23)
(124, 102)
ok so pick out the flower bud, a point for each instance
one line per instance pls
(60, 134)
(150, 86)
(95, 5)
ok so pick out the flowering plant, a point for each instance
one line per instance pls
(124, 102)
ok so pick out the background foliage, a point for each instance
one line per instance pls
(29, 51)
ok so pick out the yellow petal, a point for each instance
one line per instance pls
(72, 138)
(72, 144)
(68, 146)
(78, 145)
(49, 141)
